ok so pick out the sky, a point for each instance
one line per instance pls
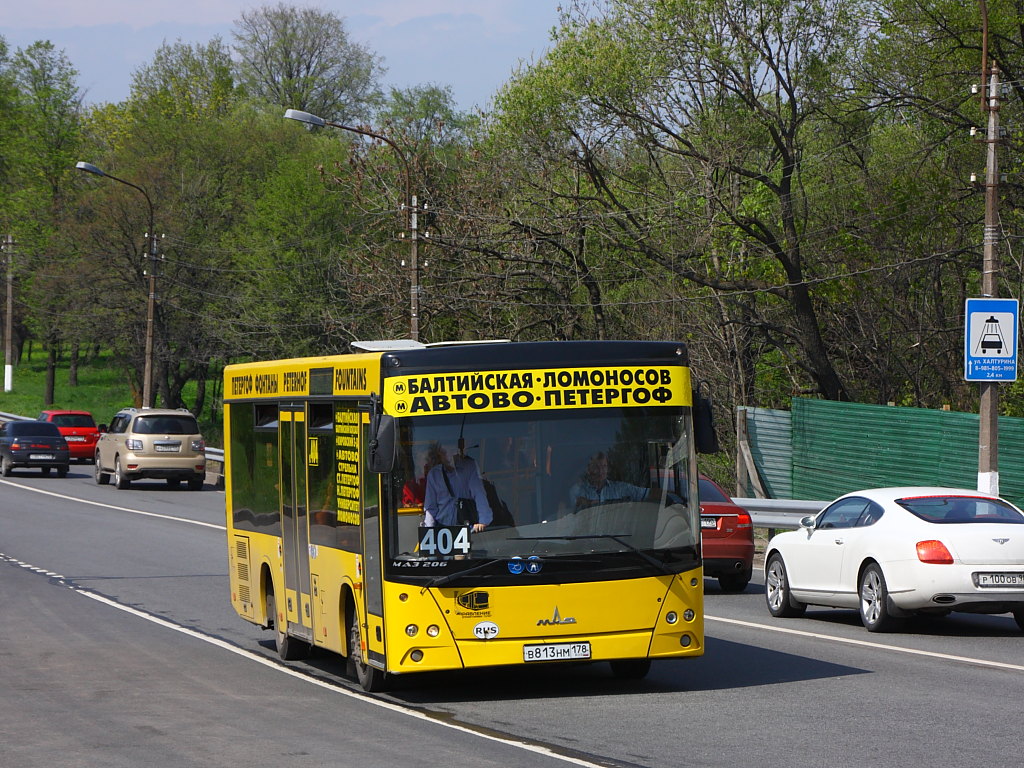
(473, 46)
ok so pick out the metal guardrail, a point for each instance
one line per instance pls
(780, 513)
(215, 466)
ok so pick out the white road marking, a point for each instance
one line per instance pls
(868, 644)
(115, 507)
(341, 691)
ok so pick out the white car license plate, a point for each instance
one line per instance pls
(166, 448)
(40, 456)
(708, 522)
(75, 439)
(1011, 579)
(556, 651)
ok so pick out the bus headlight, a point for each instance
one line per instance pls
(416, 655)
(688, 614)
(411, 630)
(685, 641)
(433, 630)
(671, 617)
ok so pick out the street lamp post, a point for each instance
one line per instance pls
(409, 204)
(147, 375)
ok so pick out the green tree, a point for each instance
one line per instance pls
(924, 101)
(44, 140)
(691, 120)
(178, 138)
(190, 82)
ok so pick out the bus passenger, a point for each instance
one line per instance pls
(595, 487)
(415, 488)
(452, 486)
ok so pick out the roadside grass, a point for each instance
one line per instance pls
(103, 389)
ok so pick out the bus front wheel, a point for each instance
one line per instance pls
(288, 648)
(370, 678)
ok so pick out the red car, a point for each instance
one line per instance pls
(79, 431)
(727, 536)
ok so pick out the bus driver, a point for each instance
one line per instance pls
(595, 487)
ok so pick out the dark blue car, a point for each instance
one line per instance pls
(32, 444)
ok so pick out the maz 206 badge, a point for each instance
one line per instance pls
(486, 630)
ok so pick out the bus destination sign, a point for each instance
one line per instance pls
(539, 389)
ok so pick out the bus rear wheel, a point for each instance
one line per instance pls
(288, 648)
(370, 678)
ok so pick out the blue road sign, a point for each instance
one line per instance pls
(990, 340)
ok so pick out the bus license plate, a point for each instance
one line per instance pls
(556, 651)
(1001, 579)
(41, 456)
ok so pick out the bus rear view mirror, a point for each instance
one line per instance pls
(382, 444)
(704, 434)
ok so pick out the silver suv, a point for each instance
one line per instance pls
(151, 442)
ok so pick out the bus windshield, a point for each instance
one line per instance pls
(576, 492)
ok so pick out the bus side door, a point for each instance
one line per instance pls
(372, 554)
(294, 522)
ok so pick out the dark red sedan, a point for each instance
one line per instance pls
(727, 536)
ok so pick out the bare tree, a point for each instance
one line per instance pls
(303, 58)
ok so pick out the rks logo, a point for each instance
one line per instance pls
(486, 630)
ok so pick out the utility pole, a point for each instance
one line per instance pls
(8, 248)
(147, 376)
(988, 406)
(414, 268)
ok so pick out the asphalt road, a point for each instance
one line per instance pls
(118, 647)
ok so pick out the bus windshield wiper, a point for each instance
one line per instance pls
(439, 581)
(616, 537)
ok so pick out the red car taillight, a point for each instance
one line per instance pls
(934, 552)
(743, 520)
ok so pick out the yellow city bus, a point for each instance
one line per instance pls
(329, 544)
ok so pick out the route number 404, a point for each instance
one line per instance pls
(444, 540)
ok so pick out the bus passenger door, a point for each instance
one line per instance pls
(294, 523)
(372, 564)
